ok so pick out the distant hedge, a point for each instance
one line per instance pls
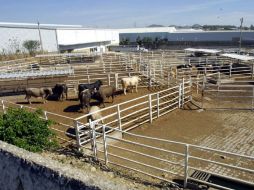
(27, 130)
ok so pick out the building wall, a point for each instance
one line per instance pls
(223, 36)
(17, 35)
(211, 36)
(133, 36)
(82, 36)
(52, 38)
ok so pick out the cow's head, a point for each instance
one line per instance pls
(100, 82)
(48, 91)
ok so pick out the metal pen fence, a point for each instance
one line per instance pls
(225, 93)
(168, 160)
(133, 113)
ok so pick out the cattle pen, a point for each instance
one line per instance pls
(168, 85)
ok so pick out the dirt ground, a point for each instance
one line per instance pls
(231, 131)
(71, 106)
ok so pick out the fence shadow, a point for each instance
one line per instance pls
(32, 102)
(73, 108)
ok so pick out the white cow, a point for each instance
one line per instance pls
(95, 116)
(130, 81)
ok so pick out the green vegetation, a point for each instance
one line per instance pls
(125, 41)
(27, 130)
(147, 42)
(32, 46)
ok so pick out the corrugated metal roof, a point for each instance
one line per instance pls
(237, 56)
(147, 30)
(212, 51)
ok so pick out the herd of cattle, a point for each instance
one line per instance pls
(86, 92)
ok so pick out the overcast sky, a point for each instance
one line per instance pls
(128, 13)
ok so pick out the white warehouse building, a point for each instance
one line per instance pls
(186, 35)
(55, 37)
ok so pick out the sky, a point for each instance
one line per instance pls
(128, 13)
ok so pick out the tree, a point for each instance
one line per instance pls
(27, 130)
(32, 46)
(125, 41)
(251, 27)
(139, 41)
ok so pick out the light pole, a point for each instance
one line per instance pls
(39, 29)
(240, 42)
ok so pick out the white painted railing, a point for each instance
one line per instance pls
(35, 74)
(225, 93)
(181, 163)
(133, 113)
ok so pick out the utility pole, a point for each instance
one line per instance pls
(39, 29)
(240, 42)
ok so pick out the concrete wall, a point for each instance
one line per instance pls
(17, 35)
(23, 170)
(82, 36)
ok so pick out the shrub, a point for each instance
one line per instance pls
(32, 46)
(27, 130)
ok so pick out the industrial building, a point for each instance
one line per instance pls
(186, 35)
(55, 38)
(59, 38)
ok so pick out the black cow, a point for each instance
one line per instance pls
(96, 85)
(84, 98)
(59, 90)
(184, 66)
(103, 93)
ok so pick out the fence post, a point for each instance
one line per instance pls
(3, 106)
(116, 81)
(109, 82)
(150, 108)
(179, 95)
(168, 78)
(103, 63)
(105, 144)
(150, 77)
(182, 92)
(161, 68)
(190, 83)
(110, 64)
(92, 124)
(186, 160)
(88, 78)
(252, 98)
(203, 84)
(76, 126)
(219, 78)
(45, 115)
(252, 69)
(119, 117)
(158, 105)
(230, 70)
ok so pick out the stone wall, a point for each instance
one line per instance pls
(23, 170)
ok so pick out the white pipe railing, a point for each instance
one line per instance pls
(185, 167)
